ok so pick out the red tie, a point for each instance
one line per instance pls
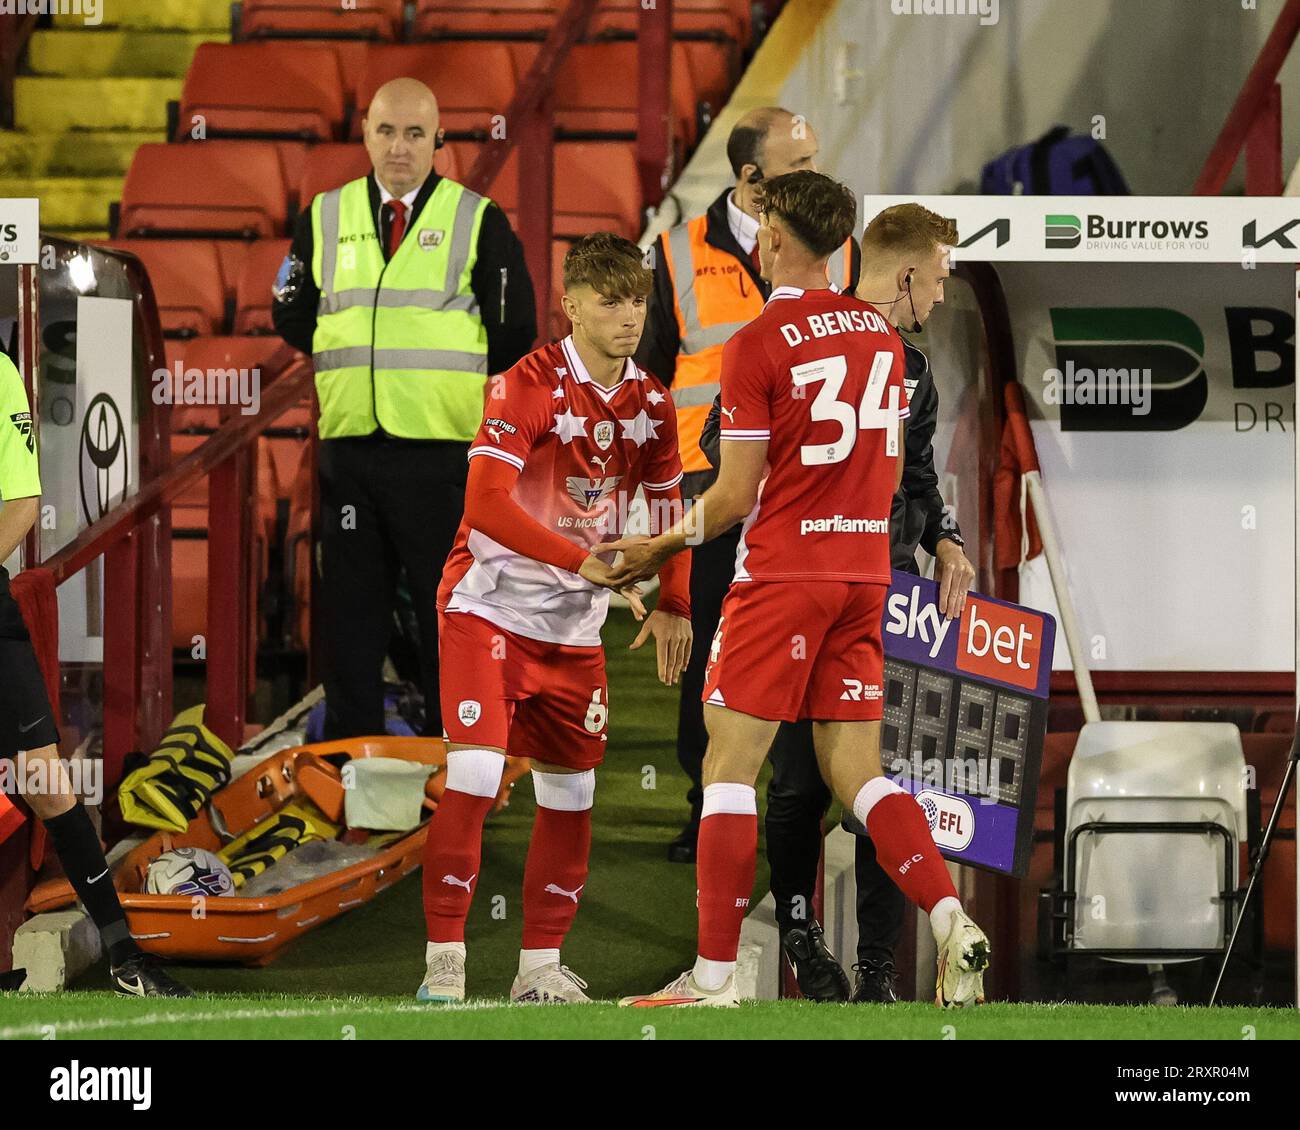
(758, 270)
(397, 228)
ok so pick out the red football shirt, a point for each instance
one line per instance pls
(819, 375)
(582, 451)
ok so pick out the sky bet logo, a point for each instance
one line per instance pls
(994, 641)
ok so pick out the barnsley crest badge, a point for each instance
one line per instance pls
(603, 434)
(431, 238)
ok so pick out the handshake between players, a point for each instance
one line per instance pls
(814, 405)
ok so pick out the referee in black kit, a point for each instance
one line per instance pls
(904, 264)
(29, 735)
(408, 290)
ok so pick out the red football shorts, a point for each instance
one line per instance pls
(533, 699)
(788, 650)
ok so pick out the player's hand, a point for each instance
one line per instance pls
(642, 558)
(672, 644)
(955, 575)
(598, 573)
(632, 594)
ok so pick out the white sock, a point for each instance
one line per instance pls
(941, 917)
(530, 960)
(712, 975)
(433, 949)
(730, 797)
(873, 791)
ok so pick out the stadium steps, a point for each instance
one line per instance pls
(114, 52)
(68, 204)
(73, 153)
(46, 104)
(88, 97)
(162, 14)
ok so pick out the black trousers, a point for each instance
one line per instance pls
(797, 800)
(385, 504)
(712, 567)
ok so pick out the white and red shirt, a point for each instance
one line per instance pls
(582, 451)
(819, 376)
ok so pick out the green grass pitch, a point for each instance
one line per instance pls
(104, 1016)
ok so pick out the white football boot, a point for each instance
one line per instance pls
(684, 992)
(551, 984)
(963, 957)
(444, 977)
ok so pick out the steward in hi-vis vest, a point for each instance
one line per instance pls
(707, 286)
(408, 291)
(398, 344)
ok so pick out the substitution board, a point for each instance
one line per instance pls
(965, 712)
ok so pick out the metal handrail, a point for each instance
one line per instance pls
(1252, 101)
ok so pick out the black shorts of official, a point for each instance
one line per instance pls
(26, 720)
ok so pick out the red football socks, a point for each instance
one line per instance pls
(906, 851)
(724, 869)
(554, 875)
(451, 862)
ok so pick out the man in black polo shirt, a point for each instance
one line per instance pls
(904, 264)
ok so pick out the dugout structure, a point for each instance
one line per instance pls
(1188, 298)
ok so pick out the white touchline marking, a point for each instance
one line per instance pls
(69, 1027)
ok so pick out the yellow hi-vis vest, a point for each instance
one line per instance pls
(716, 296)
(399, 345)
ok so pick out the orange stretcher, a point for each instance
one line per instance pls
(254, 930)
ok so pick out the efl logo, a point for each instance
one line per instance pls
(951, 820)
(1002, 643)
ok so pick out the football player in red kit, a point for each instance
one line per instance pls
(568, 436)
(812, 403)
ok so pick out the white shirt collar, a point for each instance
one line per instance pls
(744, 228)
(578, 371)
(795, 292)
(409, 199)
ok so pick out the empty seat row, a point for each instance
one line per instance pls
(479, 19)
(303, 90)
(251, 190)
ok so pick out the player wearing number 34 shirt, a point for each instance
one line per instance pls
(813, 405)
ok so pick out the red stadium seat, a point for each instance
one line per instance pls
(253, 293)
(330, 166)
(290, 90)
(715, 70)
(597, 187)
(596, 90)
(473, 81)
(498, 19)
(362, 19)
(693, 19)
(483, 19)
(187, 283)
(190, 545)
(210, 188)
(214, 353)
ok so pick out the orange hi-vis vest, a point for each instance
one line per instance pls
(715, 296)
